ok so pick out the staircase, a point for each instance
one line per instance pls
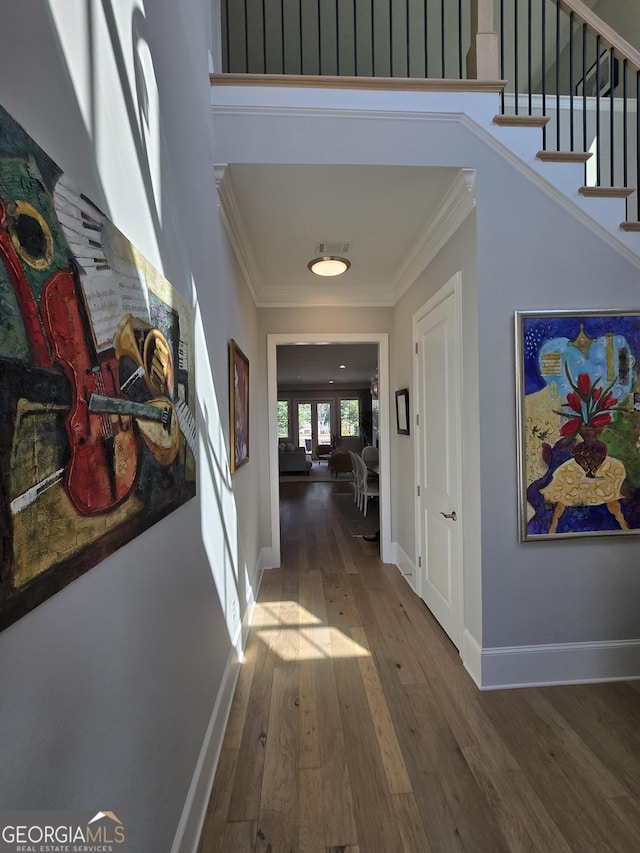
(582, 95)
(604, 207)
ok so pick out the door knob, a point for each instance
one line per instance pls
(451, 515)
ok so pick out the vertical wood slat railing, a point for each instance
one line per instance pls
(564, 67)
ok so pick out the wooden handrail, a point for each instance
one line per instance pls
(599, 28)
(326, 81)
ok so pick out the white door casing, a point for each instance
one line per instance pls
(272, 556)
(438, 456)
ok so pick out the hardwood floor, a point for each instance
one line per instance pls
(356, 729)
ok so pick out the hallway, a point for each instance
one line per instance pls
(355, 727)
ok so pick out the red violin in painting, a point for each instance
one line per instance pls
(104, 447)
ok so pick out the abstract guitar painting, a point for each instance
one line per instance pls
(97, 398)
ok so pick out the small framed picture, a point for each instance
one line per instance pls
(402, 411)
(238, 405)
(604, 72)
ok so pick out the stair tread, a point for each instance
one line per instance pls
(564, 156)
(521, 120)
(606, 192)
(630, 226)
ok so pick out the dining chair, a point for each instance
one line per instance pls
(369, 488)
(357, 491)
(370, 455)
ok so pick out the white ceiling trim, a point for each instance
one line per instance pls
(282, 298)
(279, 101)
(235, 227)
(456, 205)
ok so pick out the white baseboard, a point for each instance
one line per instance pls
(192, 819)
(268, 559)
(405, 564)
(189, 829)
(471, 655)
(568, 663)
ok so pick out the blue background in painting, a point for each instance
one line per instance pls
(537, 331)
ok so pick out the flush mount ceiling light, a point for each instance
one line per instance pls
(329, 265)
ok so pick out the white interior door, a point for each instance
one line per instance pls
(438, 523)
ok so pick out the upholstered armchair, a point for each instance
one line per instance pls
(322, 451)
(339, 463)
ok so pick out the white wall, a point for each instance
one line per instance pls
(622, 15)
(107, 689)
(533, 252)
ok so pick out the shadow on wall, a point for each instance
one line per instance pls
(136, 104)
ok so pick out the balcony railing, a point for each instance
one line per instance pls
(560, 63)
(372, 38)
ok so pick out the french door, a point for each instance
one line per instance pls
(313, 423)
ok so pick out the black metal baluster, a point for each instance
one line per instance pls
(426, 40)
(544, 72)
(246, 38)
(264, 38)
(611, 117)
(529, 71)
(625, 125)
(515, 57)
(442, 47)
(225, 47)
(284, 67)
(637, 146)
(337, 40)
(319, 41)
(584, 87)
(373, 41)
(355, 38)
(598, 111)
(571, 113)
(300, 36)
(558, 77)
(408, 38)
(460, 74)
(390, 38)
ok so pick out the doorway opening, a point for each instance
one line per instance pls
(335, 416)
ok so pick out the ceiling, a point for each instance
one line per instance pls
(388, 217)
(318, 365)
(389, 221)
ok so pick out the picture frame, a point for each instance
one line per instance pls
(402, 411)
(97, 366)
(587, 86)
(238, 405)
(578, 423)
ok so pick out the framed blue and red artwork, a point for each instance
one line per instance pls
(578, 423)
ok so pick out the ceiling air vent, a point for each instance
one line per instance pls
(335, 248)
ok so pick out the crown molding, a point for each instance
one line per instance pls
(361, 298)
(234, 226)
(456, 204)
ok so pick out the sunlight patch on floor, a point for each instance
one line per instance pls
(295, 634)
